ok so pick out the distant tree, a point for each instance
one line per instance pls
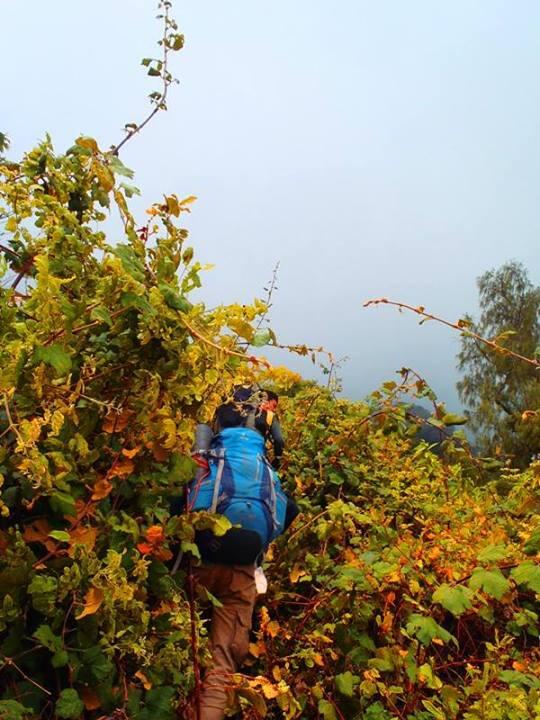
(500, 392)
(4, 143)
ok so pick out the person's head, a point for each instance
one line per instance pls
(271, 400)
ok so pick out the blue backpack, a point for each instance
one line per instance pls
(241, 484)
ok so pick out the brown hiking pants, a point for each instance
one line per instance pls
(234, 587)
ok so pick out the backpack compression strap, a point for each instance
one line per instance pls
(217, 482)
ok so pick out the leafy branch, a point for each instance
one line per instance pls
(171, 41)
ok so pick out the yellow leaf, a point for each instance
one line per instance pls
(130, 453)
(92, 602)
(188, 200)
(87, 142)
(172, 205)
(57, 422)
(296, 573)
(269, 691)
(273, 628)
(168, 433)
(11, 224)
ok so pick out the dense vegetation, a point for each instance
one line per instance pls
(408, 587)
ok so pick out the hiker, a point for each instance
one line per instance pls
(253, 408)
(241, 484)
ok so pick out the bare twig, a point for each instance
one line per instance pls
(269, 292)
(8, 662)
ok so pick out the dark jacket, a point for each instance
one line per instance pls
(232, 415)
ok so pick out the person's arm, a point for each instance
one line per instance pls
(278, 443)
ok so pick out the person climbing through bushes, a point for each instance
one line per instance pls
(241, 484)
(256, 409)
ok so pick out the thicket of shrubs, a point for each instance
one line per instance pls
(407, 588)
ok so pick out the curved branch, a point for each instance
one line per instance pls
(460, 325)
(234, 353)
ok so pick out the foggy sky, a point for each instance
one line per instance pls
(372, 148)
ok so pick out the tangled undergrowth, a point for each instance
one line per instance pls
(408, 587)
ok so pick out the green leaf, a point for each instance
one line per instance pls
(62, 503)
(381, 664)
(157, 704)
(261, 337)
(492, 553)
(426, 675)
(96, 666)
(13, 710)
(512, 677)
(101, 314)
(426, 629)
(61, 535)
(118, 167)
(59, 659)
(346, 682)
(130, 262)
(47, 638)
(69, 704)
(532, 546)
(130, 190)
(453, 419)
(327, 710)
(528, 574)
(55, 356)
(434, 711)
(376, 711)
(173, 299)
(455, 599)
(43, 589)
(492, 582)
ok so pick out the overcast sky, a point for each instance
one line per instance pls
(373, 148)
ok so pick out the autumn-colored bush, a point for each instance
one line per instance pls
(105, 367)
(407, 588)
